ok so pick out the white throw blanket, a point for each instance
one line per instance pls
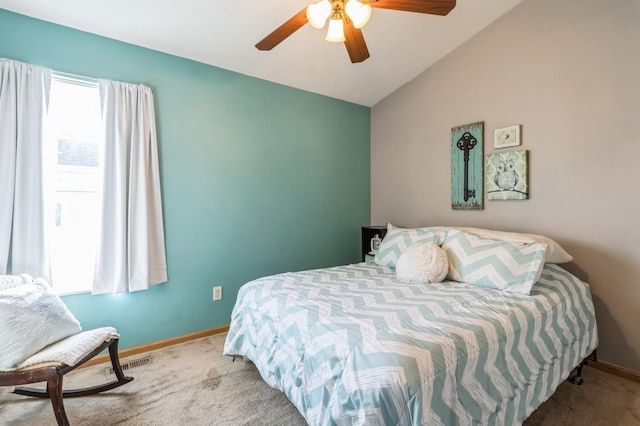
(32, 316)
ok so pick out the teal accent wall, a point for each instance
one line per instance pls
(257, 178)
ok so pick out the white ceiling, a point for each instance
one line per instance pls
(223, 34)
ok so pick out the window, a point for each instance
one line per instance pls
(74, 122)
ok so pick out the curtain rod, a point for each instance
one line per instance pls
(89, 81)
(76, 78)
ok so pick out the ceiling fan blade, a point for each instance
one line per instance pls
(283, 31)
(354, 42)
(432, 7)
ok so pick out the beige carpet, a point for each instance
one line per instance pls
(193, 384)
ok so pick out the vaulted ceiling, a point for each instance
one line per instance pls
(223, 34)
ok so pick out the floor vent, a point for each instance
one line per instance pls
(128, 365)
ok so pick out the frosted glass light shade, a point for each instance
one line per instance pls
(358, 12)
(336, 31)
(318, 13)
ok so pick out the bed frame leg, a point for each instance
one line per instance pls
(577, 378)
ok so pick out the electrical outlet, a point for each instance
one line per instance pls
(217, 293)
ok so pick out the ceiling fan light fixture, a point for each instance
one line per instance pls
(318, 13)
(358, 12)
(336, 29)
(352, 13)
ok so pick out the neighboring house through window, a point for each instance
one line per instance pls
(74, 122)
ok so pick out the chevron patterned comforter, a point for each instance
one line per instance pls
(352, 345)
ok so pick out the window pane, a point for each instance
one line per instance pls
(74, 114)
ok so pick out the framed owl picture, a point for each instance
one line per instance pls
(507, 176)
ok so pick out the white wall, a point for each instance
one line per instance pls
(569, 72)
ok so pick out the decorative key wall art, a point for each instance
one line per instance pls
(507, 176)
(467, 171)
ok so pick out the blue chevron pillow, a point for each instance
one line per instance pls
(503, 265)
(396, 241)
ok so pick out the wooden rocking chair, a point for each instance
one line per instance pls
(52, 371)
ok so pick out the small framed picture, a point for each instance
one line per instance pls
(506, 137)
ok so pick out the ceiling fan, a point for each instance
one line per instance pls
(347, 17)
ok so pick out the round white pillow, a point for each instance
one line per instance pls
(422, 263)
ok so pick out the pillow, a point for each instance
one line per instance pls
(398, 239)
(555, 253)
(422, 263)
(503, 265)
(10, 281)
(32, 316)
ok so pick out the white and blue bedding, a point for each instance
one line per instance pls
(352, 345)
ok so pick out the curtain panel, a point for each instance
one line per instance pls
(131, 250)
(24, 236)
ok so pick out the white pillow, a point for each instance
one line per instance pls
(32, 316)
(422, 263)
(555, 253)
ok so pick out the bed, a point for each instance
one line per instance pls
(353, 345)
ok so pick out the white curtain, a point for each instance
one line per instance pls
(24, 100)
(131, 252)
